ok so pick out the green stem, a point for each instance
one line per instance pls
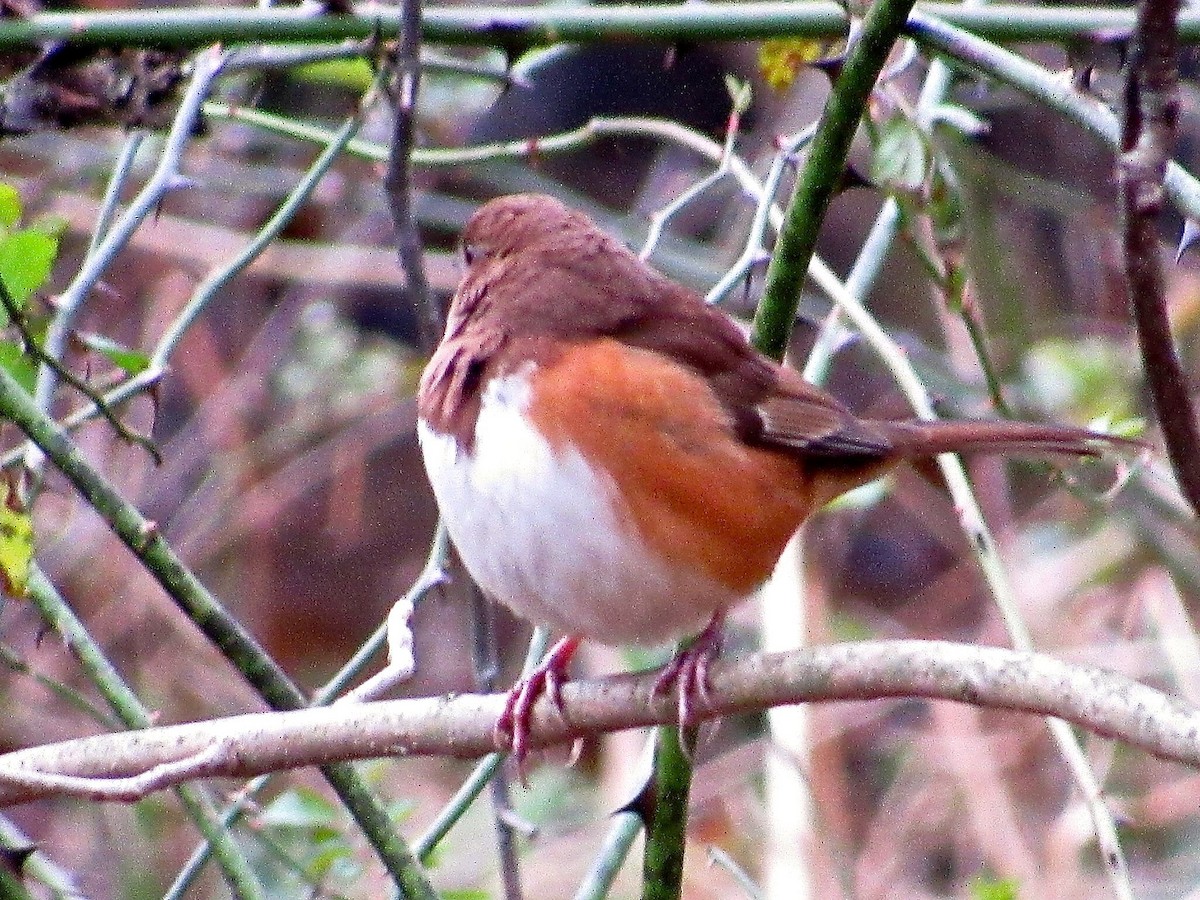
(142, 537)
(666, 823)
(822, 173)
(518, 28)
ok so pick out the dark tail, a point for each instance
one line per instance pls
(914, 440)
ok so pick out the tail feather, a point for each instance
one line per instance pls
(913, 440)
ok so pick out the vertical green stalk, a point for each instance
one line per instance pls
(822, 173)
(666, 822)
(666, 813)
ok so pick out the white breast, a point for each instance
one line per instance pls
(542, 532)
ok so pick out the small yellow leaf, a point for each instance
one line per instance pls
(781, 59)
(16, 546)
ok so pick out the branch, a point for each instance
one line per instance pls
(1150, 114)
(166, 177)
(29, 341)
(124, 702)
(822, 173)
(461, 726)
(142, 537)
(398, 180)
(519, 28)
(970, 54)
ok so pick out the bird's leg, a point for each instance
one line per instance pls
(512, 728)
(688, 671)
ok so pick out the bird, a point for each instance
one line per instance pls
(614, 460)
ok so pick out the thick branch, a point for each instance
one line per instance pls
(1101, 702)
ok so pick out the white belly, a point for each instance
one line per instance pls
(539, 531)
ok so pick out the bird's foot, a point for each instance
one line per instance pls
(687, 672)
(512, 728)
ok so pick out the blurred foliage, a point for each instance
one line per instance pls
(301, 841)
(1089, 377)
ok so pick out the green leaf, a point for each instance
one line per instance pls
(10, 206)
(995, 889)
(131, 362)
(740, 93)
(19, 364)
(26, 257)
(901, 160)
(946, 206)
(300, 808)
(354, 74)
(16, 546)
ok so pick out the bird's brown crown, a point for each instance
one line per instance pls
(519, 221)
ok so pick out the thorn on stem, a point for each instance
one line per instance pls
(147, 533)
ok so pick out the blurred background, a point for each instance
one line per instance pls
(292, 483)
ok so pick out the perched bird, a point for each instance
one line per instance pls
(615, 461)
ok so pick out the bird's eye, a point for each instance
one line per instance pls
(470, 253)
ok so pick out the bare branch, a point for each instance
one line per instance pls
(1151, 111)
(1102, 702)
(398, 180)
(132, 788)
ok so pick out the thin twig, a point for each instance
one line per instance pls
(14, 662)
(432, 574)
(486, 659)
(973, 54)
(116, 183)
(848, 303)
(166, 177)
(611, 856)
(954, 284)
(658, 221)
(17, 316)
(398, 180)
(484, 771)
(515, 28)
(755, 252)
(142, 537)
(822, 173)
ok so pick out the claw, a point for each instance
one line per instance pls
(688, 671)
(512, 728)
